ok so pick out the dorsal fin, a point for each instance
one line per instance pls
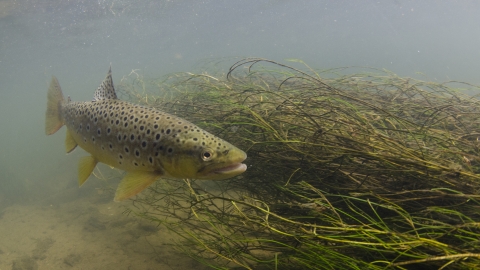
(106, 90)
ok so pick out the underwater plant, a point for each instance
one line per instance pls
(349, 168)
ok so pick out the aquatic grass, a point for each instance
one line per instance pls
(366, 170)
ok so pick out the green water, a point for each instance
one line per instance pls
(46, 221)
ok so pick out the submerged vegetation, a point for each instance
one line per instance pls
(361, 171)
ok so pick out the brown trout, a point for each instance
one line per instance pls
(144, 142)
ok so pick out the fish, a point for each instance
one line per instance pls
(146, 143)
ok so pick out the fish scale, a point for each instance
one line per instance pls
(132, 132)
(145, 142)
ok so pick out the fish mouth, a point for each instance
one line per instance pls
(233, 169)
(226, 170)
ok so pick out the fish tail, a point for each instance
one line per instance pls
(55, 101)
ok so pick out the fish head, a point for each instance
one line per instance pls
(207, 162)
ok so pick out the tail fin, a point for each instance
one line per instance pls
(53, 117)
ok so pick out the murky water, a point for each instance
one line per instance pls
(46, 221)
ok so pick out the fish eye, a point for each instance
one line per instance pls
(206, 155)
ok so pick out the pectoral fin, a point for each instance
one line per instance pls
(133, 183)
(70, 142)
(85, 168)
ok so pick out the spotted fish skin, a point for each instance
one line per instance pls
(145, 142)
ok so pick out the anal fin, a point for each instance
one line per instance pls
(85, 168)
(134, 182)
(70, 142)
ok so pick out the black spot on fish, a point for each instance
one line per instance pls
(168, 131)
(108, 131)
(110, 145)
(144, 144)
(135, 163)
(88, 127)
(148, 131)
(150, 159)
(117, 122)
(155, 126)
(157, 137)
(195, 139)
(142, 127)
(132, 137)
(126, 149)
(99, 131)
(137, 153)
(126, 124)
(170, 150)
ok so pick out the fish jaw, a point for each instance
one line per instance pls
(226, 172)
(225, 167)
